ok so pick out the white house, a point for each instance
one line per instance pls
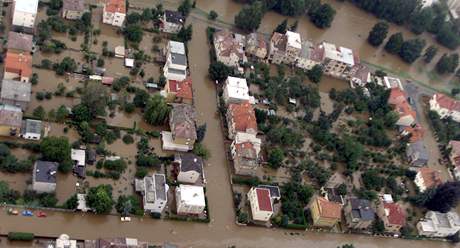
(31, 129)
(426, 178)
(189, 168)
(176, 61)
(78, 156)
(190, 199)
(391, 83)
(236, 90)
(445, 106)
(24, 14)
(172, 22)
(114, 12)
(338, 61)
(439, 225)
(64, 241)
(261, 203)
(284, 48)
(155, 194)
(44, 177)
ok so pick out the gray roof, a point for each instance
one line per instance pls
(190, 162)
(160, 186)
(178, 59)
(417, 151)
(33, 126)
(174, 17)
(361, 208)
(182, 121)
(176, 71)
(10, 116)
(73, 5)
(274, 190)
(45, 171)
(20, 41)
(15, 90)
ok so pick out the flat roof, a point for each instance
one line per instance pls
(176, 47)
(16, 90)
(45, 171)
(29, 6)
(192, 195)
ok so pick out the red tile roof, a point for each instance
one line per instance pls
(447, 102)
(329, 209)
(115, 6)
(398, 99)
(19, 63)
(182, 89)
(396, 215)
(243, 116)
(263, 199)
(431, 177)
(246, 150)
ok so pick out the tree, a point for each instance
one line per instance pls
(315, 73)
(140, 98)
(185, 8)
(133, 18)
(185, 34)
(55, 149)
(39, 112)
(421, 20)
(100, 199)
(156, 111)
(289, 7)
(62, 113)
(372, 180)
(81, 113)
(275, 158)
(430, 52)
(445, 198)
(95, 98)
(395, 43)
(6, 194)
(71, 203)
(323, 16)
(67, 64)
(411, 50)
(147, 15)
(201, 151)
(447, 63)
(282, 27)
(342, 189)
(378, 34)
(378, 226)
(218, 71)
(249, 18)
(129, 205)
(134, 33)
(212, 15)
(200, 133)
(293, 27)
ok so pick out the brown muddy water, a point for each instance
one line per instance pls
(222, 231)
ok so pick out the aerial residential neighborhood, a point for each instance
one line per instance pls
(229, 123)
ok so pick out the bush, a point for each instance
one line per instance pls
(141, 172)
(201, 151)
(212, 15)
(128, 139)
(21, 236)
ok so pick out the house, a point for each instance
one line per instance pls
(155, 193)
(236, 90)
(338, 61)
(172, 22)
(19, 42)
(392, 83)
(31, 129)
(309, 56)
(183, 128)
(426, 178)
(190, 199)
(392, 215)
(325, 213)
(241, 117)
(78, 156)
(439, 225)
(179, 91)
(445, 106)
(64, 241)
(417, 154)
(284, 48)
(73, 9)
(360, 75)
(114, 12)
(15, 93)
(24, 14)
(90, 156)
(245, 149)
(18, 66)
(229, 48)
(414, 133)
(261, 204)
(359, 213)
(398, 100)
(81, 203)
(275, 193)
(176, 61)
(44, 176)
(189, 168)
(10, 120)
(256, 45)
(116, 243)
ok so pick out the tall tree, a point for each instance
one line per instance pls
(395, 43)
(282, 27)
(445, 198)
(411, 50)
(447, 63)
(290, 7)
(185, 7)
(323, 16)
(378, 34)
(430, 52)
(95, 97)
(100, 199)
(55, 148)
(157, 111)
(249, 18)
(421, 20)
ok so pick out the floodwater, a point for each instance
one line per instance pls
(222, 231)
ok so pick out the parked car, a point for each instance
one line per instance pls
(125, 219)
(27, 213)
(41, 214)
(13, 211)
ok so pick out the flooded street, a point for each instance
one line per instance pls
(222, 230)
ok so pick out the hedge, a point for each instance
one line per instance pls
(21, 236)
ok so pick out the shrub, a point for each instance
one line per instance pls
(128, 139)
(21, 236)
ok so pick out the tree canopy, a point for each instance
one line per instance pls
(100, 199)
(249, 18)
(378, 33)
(411, 50)
(156, 111)
(395, 43)
(323, 16)
(55, 149)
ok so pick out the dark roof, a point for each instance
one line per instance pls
(80, 171)
(33, 126)
(90, 155)
(45, 171)
(361, 208)
(333, 195)
(178, 59)
(15, 90)
(174, 17)
(73, 5)
(20, 41)
(274, 190)
(160, 189)
(190, 162)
